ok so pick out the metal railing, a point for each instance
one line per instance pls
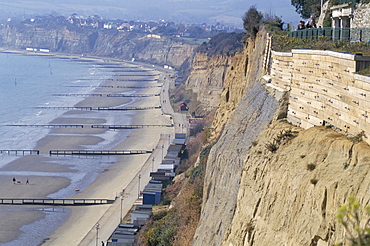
(336, 34)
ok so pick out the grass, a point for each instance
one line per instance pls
(284, 43)
(357, 138)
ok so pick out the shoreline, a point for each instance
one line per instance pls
(107, 184)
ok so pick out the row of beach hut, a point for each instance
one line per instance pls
(126, 234)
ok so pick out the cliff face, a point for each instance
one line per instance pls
(225, 163)
(58, 40)
(207, 77)
(98, 42)
(256, 196)
(277, 204)
(244, 71)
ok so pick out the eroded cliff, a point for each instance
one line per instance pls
(244, 72)
(258, 188)
(207, 77)
(278, 202)
(98, 42)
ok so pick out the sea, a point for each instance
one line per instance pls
(28, 88)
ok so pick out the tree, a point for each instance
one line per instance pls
(251, 21)
(306, 8)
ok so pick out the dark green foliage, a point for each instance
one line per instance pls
(159, 215)
(306, 8)
(279, 139)
(251, 21)
(311, 166)
(272, 146)
(314, 181)
(223, 43)
(198, 171)
(358, 137)
(284, 43)
(163, 231)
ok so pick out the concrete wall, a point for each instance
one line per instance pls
(324, 89)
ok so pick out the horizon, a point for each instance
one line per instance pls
(191, 11)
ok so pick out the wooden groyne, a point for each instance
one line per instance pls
(99, 152)
(130, 71)
(78, 95)
(133, 95)
(98, 79)
(68, 108)
(129, 108)
(90, 86)
(143, 75)
(138, 80)
(106, 95)
(111, 86)
(101, 108)
(148, 86)
(54, 202)
(127, 126)
(20, 152)
(51, 126)
(95, 126)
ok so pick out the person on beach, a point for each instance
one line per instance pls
(14, 180)
(27, 182)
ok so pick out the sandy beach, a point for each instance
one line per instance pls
(47, 175)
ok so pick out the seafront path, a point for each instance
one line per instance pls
(103, 229)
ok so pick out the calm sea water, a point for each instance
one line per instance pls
(28, 82)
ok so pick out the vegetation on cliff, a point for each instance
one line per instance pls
(176, 225)
(349, 215)
(223, 43)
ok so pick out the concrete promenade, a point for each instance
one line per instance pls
(111, 218)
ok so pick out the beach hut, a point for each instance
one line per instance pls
(183, 107)
(140, 217)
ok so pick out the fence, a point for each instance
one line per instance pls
(336, 34)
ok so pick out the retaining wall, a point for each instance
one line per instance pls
(324, 89)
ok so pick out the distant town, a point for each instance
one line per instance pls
(156, 28)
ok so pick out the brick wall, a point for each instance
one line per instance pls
(324, 88)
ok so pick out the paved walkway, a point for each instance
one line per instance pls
(111, 219)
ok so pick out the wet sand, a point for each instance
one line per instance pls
(47, 176)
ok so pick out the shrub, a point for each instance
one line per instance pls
(311, 166)
(302, 156)
(272, 146)
(349, 216)
(358, 137)
(314, 181)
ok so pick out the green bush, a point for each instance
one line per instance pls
(311, 166)
(314, 181)
(350, 217)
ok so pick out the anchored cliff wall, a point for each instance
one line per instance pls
(324, 89)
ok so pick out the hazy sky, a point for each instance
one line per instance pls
(195, 11)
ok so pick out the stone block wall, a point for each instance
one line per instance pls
(324, 89)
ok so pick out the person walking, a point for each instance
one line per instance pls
(27, 181)
(14, 180)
